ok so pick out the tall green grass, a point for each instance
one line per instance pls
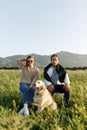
(72, 118)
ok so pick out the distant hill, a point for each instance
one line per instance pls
(67, 59)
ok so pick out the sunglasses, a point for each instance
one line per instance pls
(30, 61)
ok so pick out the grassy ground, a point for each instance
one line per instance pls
(72, 118)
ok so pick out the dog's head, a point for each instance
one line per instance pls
(39, 87)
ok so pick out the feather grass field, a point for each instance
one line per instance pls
(72, 118)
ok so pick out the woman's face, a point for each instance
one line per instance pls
(30, 61)
(54, 60)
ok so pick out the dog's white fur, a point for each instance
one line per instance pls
(42, 97)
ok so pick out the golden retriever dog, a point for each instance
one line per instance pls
(42, 97)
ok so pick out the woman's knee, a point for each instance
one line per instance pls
(24, 87)
(32, 89)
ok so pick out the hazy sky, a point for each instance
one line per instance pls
(42, 26)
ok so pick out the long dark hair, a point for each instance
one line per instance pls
(28, 58)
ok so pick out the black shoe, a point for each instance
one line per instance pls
(67, 104)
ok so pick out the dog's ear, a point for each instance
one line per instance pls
(43, 86)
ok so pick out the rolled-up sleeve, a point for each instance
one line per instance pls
(67, 81)
(47, 83)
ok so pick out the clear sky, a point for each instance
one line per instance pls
(42, 26)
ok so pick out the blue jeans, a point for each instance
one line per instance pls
(27, 93)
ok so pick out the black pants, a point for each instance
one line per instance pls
(61, 89)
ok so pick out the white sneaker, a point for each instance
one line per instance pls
(24, 111)
(21, 112)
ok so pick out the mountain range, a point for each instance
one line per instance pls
(67, 59)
